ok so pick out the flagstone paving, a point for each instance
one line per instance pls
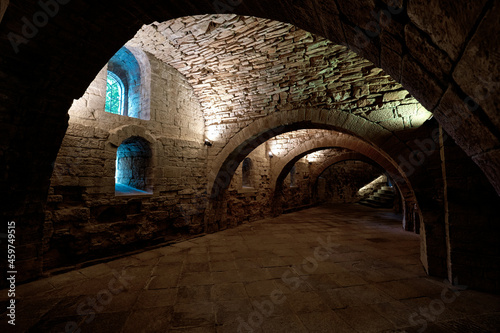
(345, 268)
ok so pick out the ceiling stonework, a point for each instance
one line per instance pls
(243, 68)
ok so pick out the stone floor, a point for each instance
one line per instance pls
(326, 269)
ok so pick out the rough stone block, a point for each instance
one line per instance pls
(464, 126)
(420, 83)
(447, 22)
(72, 214)
(477, 71)
(432, 58)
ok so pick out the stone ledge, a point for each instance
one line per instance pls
(248, 190)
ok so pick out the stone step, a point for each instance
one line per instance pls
(375, 205)
(382, 198)
(378, 202)
(384, 193)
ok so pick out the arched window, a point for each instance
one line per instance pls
(128, 84)
(115, 94)
(133, 169)
(292, 177)
(246, 170)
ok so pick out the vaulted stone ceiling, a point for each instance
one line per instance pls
(243, 68)
(282, 144)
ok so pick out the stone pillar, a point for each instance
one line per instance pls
(474, 251)
(3, 8)
(427, 180)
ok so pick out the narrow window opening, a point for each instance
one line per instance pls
(128, 84)
(247, 171)
(292, 177)
(115, 94)
(133, 167)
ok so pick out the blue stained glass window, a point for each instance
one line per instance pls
(115, 94)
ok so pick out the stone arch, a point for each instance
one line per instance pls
(145, 83)
(458, 82)
(282, 166)
(247, 171)
(349, 156)
(243, 147)
(131, 65)
(336, 159)
(378, 39)
(256, 133)
(121, 134)
(281, 169)
(133, 173)
(411, 211)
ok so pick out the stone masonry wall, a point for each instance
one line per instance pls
(343, 180)
(84, 217)
(297, 195)
(245, 68)
(474, 230)
(440, 61)
(250, 203)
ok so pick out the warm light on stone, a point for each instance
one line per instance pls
(140, 124)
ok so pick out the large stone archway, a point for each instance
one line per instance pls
(359, 151)
(336, 159)
(408, 202)
(383, 143)
(47, 60)
(242, 146)
(282, 167)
